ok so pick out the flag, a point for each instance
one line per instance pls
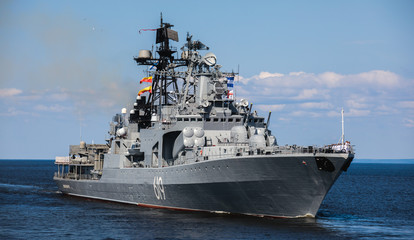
(230, 81)
(230, 94)
(147, 89)
(154, 66)
(146, 30)
(146, 79)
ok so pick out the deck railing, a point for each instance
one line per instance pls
(275, 150)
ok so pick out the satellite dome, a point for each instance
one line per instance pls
(210, 59)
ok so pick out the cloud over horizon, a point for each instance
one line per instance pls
(297, 94)
(376, 92)
(9, 92)
(67, 71)
(66, 79)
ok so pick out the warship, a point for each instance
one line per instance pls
(188, 144)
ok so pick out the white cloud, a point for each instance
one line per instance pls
(240, 78)
(358, 113)
(87, 82)
(317, 105)
(408, 122)
(284, 119)
(106, 103)
(13, 112)
(9, 92)
(312, 94)
(274, 107)
(264, 75)
(333, 114)
(52, 108)
(352, 103)
(59, 96)
(377, 78)
(28, 98)
(305, 114)
(376, 92)
(383, 109)
(330, 79)
(406, 104)
(296, 73)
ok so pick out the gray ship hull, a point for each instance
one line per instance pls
(290, 185)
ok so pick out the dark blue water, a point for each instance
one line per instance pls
(373, 201)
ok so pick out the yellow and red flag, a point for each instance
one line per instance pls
(147, 89)
(146, 79)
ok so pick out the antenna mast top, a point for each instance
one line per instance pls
(343, 133)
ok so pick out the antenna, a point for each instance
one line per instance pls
(343, 133)
(237, 80)
(268, 120)
(80, 130)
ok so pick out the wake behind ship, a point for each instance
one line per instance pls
(187, 144)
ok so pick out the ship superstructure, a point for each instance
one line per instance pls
(188, 144)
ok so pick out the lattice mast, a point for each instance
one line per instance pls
(164, 83)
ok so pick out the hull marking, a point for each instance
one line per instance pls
(159, 188)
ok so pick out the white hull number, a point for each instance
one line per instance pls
(159, 188)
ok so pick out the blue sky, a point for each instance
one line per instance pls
(67, 66)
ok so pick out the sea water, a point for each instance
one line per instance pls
(370, 201)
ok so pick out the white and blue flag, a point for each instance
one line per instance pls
(230, 81)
